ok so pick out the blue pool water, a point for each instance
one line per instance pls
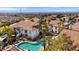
(30, 46)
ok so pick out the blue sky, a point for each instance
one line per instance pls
(39, 9)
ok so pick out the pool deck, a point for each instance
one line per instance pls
(42, 48)
(13, 49)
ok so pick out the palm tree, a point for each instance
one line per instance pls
(60, 26)
(44, 29)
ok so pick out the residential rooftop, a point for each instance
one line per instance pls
(26, 25)
(73, 33)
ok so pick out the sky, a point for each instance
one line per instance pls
(39, 9)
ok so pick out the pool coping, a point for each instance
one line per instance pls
(23, 42)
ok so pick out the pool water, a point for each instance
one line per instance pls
(30, 46)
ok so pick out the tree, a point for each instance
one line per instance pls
(1, 32)
(1, 44)
(63, 43)
(11, 34)
(30, 17)
(59, 15)
(9, 31)
(44, 29)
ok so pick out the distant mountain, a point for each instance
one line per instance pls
(37, 10)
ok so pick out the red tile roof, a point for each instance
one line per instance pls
(54, 23)
(27, 25)
(74, 33)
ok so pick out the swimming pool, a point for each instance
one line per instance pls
(30, 46)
